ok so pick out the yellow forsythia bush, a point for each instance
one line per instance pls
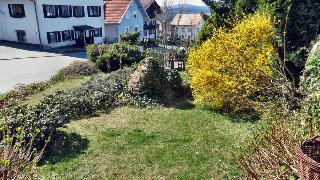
(233, 65)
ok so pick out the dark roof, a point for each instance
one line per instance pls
(146, 3)
(83, 27)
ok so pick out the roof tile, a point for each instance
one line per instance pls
(114, 10)
(186, 19)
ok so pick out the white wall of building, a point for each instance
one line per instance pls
(186, 32)
(62, 24)
(9, 25)
(111, 32)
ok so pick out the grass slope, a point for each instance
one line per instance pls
(184, 142)
(65, 85)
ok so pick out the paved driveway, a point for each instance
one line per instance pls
(25, 64)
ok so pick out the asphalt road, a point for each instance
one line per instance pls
(24, 64)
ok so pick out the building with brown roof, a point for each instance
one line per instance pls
(123, 16)
(187, 26)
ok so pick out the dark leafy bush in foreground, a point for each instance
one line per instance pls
(114, 56)
(14, 96)
(78, 69)
(58, 109)
(131, 38)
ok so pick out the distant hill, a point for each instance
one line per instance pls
(189, 8)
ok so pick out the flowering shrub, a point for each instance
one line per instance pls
(227, 70)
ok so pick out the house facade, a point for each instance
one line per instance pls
(150, 28)
(123, 16)
(52, 23)
(186, 26)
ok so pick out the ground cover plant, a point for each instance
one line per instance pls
(77, 69)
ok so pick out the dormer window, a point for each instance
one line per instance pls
(16, 10)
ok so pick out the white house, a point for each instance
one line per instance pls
(52, 23)
(123, 16)
(187, 26)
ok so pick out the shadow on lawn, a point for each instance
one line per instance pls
(183, 104)
(65, 147)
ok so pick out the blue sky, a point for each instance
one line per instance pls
(194, 2)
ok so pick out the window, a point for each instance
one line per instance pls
(65, 11)
(153, 21)
(94, 11)
(136, 29)
(189, 30)
(135, 13)
(126, 29)
(128, 15)
(152, 31)
(78, 11)
(145, 32)
(50, 11)
(21, 35)
(54, 37)
(67, 36)
(183, 30)
(16, 10)
(96, 32)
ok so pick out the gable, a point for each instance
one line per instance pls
(115, 10)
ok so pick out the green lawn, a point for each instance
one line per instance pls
(183, 142)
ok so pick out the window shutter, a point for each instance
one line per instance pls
(10, 11)
(44, 10)
(83, 12)
(70, 11)
(72, 34)
(23, 11)
(60, 10)
(59, 36)
(63, 37)
(100, 32)
(99, 11)
(88, 10)
(48, 37)
(57, 10)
